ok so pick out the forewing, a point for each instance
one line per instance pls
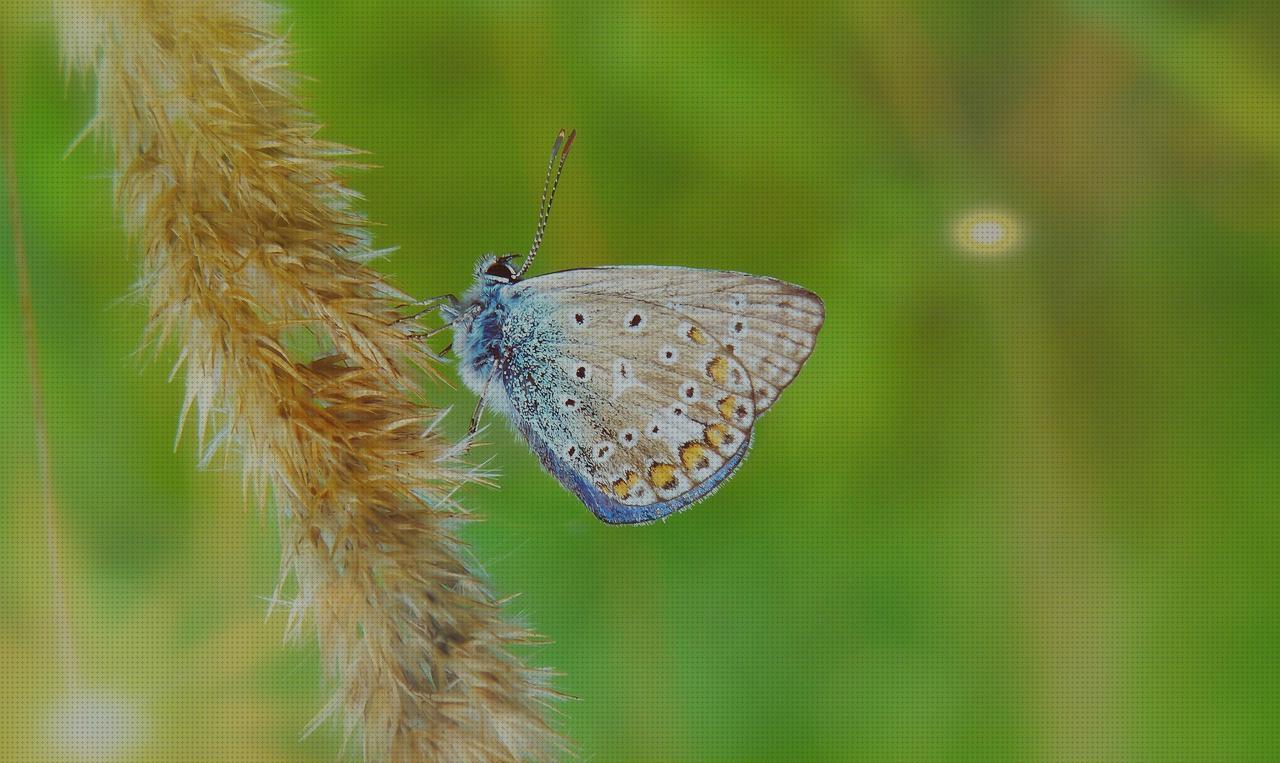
(634, 406)
(767, 324)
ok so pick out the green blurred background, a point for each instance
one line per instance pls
(1018, 506)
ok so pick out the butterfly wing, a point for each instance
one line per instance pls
(633, 385)
(769, 325)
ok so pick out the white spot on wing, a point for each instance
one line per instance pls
(601, 452)
(640, 494)
(578, 370)
(624, 376)
(713, 462)
(673, 428)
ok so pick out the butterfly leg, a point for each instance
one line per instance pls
(475, 415)
(446, 302)
(450, 311)
(498, 365)
(432, 332)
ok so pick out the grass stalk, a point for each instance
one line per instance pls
(248, 237)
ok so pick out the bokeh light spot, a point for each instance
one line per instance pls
(987, 232)
(95, 726)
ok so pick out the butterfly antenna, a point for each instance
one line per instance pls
(549, 185)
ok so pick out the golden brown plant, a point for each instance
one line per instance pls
(249, 244)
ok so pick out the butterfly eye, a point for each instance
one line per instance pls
(499, 269)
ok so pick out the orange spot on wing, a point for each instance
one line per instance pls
(622, 488)
(663, 475)
(718, 369)
(696, 335)
(726, 406)
(694, 456)
(715, 434)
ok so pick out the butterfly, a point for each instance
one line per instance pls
(637, 387)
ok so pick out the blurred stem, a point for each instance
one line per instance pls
(1236, 86)
(39, 424)
(247, 232)
(1066, 574)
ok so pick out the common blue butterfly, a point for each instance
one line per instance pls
(637, 387)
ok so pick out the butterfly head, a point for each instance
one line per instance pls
(493, 268)
(492, 273)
